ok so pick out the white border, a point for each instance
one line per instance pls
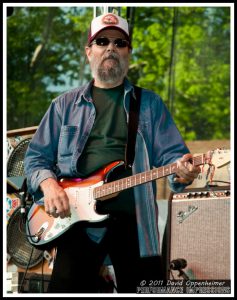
(165, 4)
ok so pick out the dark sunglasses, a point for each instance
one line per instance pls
(103, 41)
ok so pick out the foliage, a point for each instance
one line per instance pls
(44, 55)
(194, 81)
(181, 53)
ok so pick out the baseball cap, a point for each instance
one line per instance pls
(108, 20)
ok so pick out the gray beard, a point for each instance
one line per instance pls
(113, 74)
(110, 75)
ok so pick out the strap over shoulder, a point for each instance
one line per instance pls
(133, 120)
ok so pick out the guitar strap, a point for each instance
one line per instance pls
(133, 119)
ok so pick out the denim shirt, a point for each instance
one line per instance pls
(63, 133)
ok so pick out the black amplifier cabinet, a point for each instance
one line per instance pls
(199, 234)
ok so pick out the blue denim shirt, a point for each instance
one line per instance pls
(62, 135)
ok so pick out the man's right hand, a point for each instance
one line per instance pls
(56, 201)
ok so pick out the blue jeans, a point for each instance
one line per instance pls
(79, 259)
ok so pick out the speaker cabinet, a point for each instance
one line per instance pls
(20, 251)
(199, 223)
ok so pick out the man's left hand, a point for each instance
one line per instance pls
(186, 171)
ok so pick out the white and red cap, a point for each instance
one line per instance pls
(108, 20)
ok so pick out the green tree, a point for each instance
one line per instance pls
(44, 54)
(183, 54)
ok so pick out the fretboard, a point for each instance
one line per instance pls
(141, 178)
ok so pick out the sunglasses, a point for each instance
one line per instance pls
(103, 41)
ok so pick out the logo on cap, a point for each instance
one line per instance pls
(110, 20)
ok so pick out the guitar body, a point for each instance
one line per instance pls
(42, 229)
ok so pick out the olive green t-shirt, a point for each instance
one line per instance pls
(106, 143)
(108, 137)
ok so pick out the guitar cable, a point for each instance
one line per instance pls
(24, 222)
(209, 183)
(42, 275)
(27, 267)
(21, 224)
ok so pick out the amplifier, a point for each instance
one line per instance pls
(199, 234)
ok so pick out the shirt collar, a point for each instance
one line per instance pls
(86, 90)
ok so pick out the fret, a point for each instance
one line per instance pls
(142, 178)
(166, 170)
(137, 179)
(97, 193)
(160, 172)
(173, 168)
(100, 190)
(128, 182)
(112, 187)
(124, 183)
(103, 191)
(106, 190)
(133, 181)
(109, 189)
(148, 176)
(154, 173)
(137, 176)
(120, 184)
(115, 186)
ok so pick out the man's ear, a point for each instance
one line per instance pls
(88, 52)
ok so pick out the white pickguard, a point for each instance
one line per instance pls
(82, 206)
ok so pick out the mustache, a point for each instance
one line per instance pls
(111, 56)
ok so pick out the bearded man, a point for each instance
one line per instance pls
(86, 130)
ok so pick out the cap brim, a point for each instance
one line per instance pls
(108, 27)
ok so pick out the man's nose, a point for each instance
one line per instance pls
(111, 46)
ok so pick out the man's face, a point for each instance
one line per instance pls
(109, 63)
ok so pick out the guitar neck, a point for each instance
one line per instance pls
(141, 178)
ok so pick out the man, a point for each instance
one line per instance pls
(84, 130)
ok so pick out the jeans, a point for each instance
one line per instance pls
(79, 259)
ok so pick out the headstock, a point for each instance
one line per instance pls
(218, 157)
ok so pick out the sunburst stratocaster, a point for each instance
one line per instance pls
(83, 195)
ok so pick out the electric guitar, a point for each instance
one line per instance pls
(84, 194)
